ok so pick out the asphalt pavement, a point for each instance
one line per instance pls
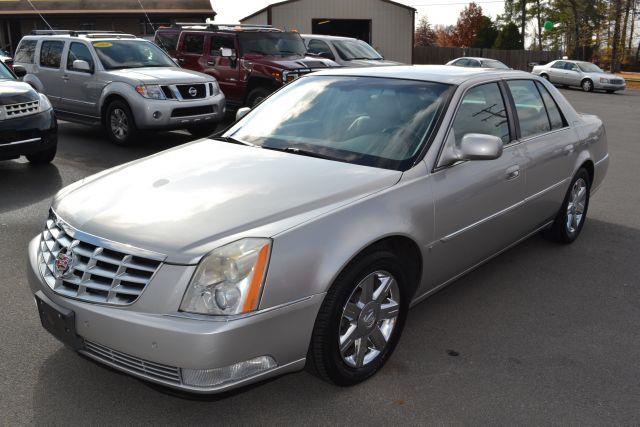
(542, 334)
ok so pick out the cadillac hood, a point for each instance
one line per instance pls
(186, 201)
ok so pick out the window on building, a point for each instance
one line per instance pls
(51, 53)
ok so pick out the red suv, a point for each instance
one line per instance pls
(249, 62)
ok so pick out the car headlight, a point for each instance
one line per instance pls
(603, 80)
(214, 88)
(229, 279)
(45, 104)
(151, 91)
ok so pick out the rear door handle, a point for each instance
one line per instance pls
(513, 172)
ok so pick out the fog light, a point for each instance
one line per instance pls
(232, 373)
(157, 114)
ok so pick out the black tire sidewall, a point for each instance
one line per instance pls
(259, 92)
(130, 123)
(563, 233)
(336, 369)
(43, 157)
(582, 85)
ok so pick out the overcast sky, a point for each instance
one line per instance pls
(438, 11)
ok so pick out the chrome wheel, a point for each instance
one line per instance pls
(576, 205)
(368, 319)
(119, 123)
(587, 85)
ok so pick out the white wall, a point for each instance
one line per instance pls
(391, 26)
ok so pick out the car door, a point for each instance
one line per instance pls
(81, 93)
(550, 146)
(319, 47)
(477, 203)
(191, 50)
(225, 70)
(49, 70)
(572, 75)
(556, 72)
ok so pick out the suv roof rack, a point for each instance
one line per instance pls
(208, 26)
(86, 33)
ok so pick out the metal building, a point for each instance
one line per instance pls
(385, 24)
(20, 17)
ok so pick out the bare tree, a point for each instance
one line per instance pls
(615, 42)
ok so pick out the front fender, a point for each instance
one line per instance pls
(34, 81)
(120, 89)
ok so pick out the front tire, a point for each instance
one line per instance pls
(587, 85)
(545, 76)
(573, 213)
(360, 320)
(43, 157)
(119, 123)
(257, 95)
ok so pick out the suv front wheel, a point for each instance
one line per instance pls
(119, 123)
(257, 95)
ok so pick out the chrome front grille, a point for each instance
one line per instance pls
(13, 111)
(616, 81)
(144, 368)
(77, 266)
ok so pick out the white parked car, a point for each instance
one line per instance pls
(346, 51)
(583, 74)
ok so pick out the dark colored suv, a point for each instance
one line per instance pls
(249, 62)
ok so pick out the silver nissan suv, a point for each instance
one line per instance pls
(120, 81)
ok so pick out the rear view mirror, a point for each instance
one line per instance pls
(477, 146)
(19, 71)
(81, 65)
(242, 112)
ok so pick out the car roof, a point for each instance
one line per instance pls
(79, 37)
(479, 58)
(324, 37)
(448, 74)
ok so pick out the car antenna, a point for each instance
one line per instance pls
(38, 12)
(153, 28)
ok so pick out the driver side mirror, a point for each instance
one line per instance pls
(226, 52)
(19, 71)
(242, 112)
(474, 146)
(81, 65)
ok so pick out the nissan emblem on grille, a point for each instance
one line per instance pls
(64, 262)
(193, 91)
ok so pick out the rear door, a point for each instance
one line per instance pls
(191, 51)
(478, 203)
(49, 70)
(556, 72)
(572, 74)
(225, 70)
(81, 92)
(550, 146)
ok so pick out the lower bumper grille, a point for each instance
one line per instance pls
(193, 111)
(616, 81)
(135, 365)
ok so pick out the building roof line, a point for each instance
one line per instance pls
(106, 11)
(266, 8)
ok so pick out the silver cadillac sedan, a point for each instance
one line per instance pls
(301, 236)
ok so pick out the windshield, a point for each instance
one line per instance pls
(117, 54)
(355, 49)
(588, 67)
(276, 43)
(492, 63)
(377, 122)
(5, 74)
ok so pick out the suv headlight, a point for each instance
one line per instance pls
(151, 91)
(603, 80)
(214, 88)
(45, 104)
(229, 279)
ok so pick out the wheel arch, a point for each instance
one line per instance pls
(108, 99)
(256, 82)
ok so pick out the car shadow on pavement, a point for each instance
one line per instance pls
(540, 326)
(22, 184)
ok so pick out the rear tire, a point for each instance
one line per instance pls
(545, 76)
(346, 358)
(573, 213)
(257, 95)
(119, 123)
(43, 157)
(587, 85)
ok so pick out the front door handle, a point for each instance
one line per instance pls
(513, 172)
(568, 149)
(211, 63)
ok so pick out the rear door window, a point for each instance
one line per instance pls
(556, 119)
(193, 43)
(558, 64)
(26, 51)
(532, 114)
(51, 53)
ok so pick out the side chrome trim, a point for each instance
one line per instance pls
(602, 159)
(546, 190)
(430, 292)
(24, 141)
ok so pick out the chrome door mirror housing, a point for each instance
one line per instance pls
(242, 112)
(477, 146)
(81, 65)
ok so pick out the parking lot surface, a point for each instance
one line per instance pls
(541, 334)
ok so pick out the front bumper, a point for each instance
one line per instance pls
(135, 335)
(28, 134)
(173, 114)
(608, 86)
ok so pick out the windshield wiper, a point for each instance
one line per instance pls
(300, 152)
(231, 140)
